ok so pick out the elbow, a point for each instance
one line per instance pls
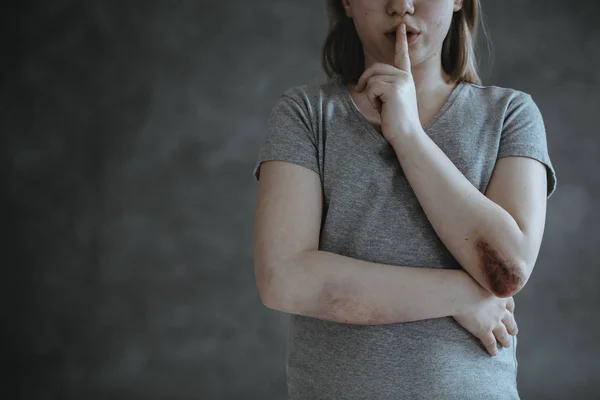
(505, 276)
(506, 285)
(264, 276)
(268, 299)
(272, 283)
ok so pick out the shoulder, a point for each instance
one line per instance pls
(311, 96)
(497, 99)
(303, 106)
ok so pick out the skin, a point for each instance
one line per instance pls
(432, 18)
(338, 300)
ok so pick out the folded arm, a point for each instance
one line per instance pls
(495, 236)
(293, 276)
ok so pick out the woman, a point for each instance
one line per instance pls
(400, 207)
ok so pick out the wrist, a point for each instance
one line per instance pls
(398, 137)
(471, 294)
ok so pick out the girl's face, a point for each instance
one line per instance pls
(373, 18)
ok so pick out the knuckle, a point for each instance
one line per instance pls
(488, 341)
(372, 79)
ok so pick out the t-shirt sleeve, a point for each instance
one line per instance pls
(289, 136)
(524, 134)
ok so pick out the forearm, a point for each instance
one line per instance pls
(482, 236)
(333, 287)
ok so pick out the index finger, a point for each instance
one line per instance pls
(401, 57)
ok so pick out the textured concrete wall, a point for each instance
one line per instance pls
(128, 135)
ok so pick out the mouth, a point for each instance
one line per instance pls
(411, 36)
(409, 30)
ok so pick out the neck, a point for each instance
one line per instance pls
(429, 78)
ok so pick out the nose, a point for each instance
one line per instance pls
(400, 7)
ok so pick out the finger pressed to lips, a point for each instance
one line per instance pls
(411, 37)
(401, 56)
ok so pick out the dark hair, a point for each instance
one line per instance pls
(343, 57)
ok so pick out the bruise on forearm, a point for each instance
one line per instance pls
(502, 275)
(339, 302)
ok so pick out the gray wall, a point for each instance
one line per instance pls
(129, 131)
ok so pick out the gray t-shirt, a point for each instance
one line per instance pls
(371, 213)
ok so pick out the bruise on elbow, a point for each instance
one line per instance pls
(338, 302)
(503, 276)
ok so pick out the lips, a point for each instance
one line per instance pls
(410, 36)
(411, 33)
(409, 30)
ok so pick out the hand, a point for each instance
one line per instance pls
(490, 319)
(391, 91)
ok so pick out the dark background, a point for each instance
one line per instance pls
(129, 130)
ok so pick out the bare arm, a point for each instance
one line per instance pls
(293, 276)
(496, 237)
(333, 287)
